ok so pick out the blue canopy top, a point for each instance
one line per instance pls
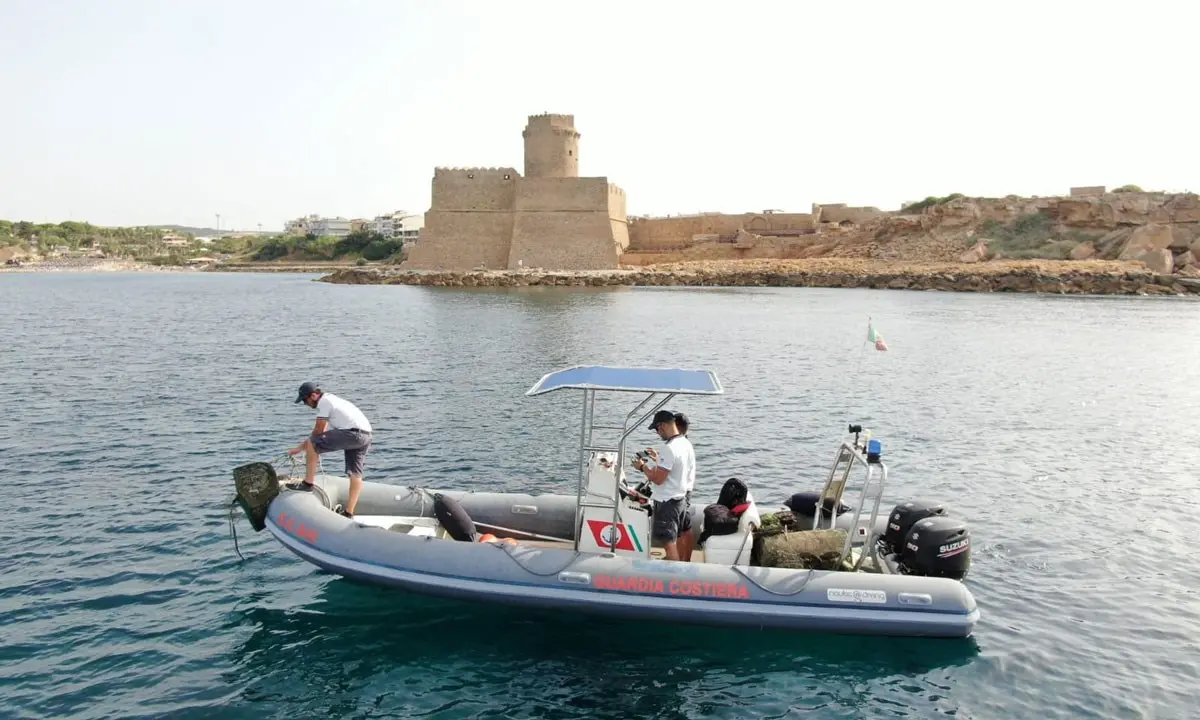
(630, 379)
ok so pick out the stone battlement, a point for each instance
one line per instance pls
(552, 119)
(476, 171)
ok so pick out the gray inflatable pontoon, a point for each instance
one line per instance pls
(902, 574)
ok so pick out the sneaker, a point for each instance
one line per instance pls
(301, 486)
(342, 511)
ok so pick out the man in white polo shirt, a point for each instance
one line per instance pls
(672, 476)
(340, 426)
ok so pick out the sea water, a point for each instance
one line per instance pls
(1062, 429)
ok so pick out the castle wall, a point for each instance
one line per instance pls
(563, 241)
(840, 213)
(573, 194)
(470, 220)
(454, 240)
(788, 248)
(567, 223)
(617, 217)
(474, 189)
(680, 232)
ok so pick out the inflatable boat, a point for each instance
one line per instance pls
(898, 574)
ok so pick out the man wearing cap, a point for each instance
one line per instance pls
(340, 426)
(671, 475)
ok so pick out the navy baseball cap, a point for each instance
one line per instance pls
(306, 389)
(660, 417)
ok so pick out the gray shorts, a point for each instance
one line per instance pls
(354, 442)
(670, 519)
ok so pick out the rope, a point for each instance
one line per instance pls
(801, 589)
(504, 549)
(423, 493)
(233, 527)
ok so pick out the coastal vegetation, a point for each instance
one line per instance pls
(163, 245)
(1033, 236)
(919, 206)
(360, 244)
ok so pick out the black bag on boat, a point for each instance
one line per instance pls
(720, 518)
(733, 493)
(454, 519)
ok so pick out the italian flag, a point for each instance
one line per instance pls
(874, 337)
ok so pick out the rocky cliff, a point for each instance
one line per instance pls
(1160, 231)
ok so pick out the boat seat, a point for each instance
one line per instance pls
(734, 548)
(402, 524)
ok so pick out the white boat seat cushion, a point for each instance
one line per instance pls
(734, 549)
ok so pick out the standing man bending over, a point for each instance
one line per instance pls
(671, 476)
(340, 426)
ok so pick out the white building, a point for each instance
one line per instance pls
(337, 227)
(319, 226)
(399, 225)
(383, 225)
(409, 227)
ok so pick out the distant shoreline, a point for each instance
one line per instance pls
(76, 265)
(1035, 276)
(1026, 276)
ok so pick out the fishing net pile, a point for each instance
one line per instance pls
(778, 543)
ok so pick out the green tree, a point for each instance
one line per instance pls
(382, 248)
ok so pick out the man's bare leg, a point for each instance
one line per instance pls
(671, 550)
(310, 461)
(356, 482)
(687, 541)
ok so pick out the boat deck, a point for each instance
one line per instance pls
(429, 527)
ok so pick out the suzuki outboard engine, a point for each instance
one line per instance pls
(903, 517)
(937, 547)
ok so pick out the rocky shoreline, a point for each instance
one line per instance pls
(90, 266)
(1058, 277)
(277, 267)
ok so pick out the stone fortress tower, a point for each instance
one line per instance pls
(551, 147)
(495, 219)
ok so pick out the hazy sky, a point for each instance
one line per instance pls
(170, 111)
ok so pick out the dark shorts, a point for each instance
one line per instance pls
(670, 519)
(354, 442)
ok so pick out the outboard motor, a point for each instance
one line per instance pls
(937, 547)
(903, 517)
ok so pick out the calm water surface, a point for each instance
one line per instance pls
(1062, 429)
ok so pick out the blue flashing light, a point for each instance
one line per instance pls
(874, 447)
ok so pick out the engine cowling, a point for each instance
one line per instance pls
(903, 517)
(937, 547)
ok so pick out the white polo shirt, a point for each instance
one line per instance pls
(341, 413)
(678, 458)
